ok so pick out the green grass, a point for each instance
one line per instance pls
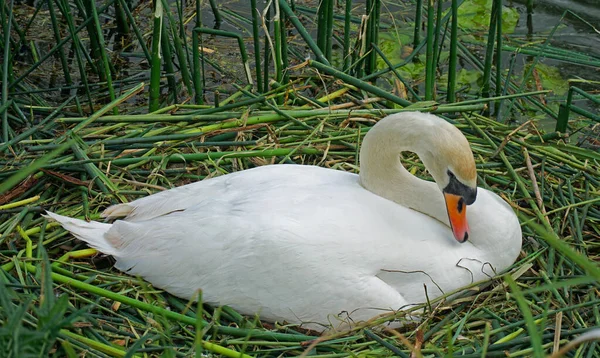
(66, 149)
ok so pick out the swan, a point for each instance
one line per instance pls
(315, 246)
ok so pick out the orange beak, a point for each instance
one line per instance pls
(457, 214)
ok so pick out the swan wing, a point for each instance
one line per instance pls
(171, 200)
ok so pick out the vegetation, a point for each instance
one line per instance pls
(105, 104)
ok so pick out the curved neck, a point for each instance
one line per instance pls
(382, 173)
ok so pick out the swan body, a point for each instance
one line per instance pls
(305, 244)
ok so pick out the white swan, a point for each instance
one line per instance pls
(303, 244)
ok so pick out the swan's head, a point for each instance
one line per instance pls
(449, 159)
(445, 152)
(458, 195)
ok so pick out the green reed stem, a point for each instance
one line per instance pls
(284, 47)
(37, 127)
(392, 68)
(180, 49)
(121, 18)
(279, 38)
(586, 264)
(507, 81)
(267, 49)
(167, 56)
(534, 334)
(57, 37)
(5, 69)
(325, 26)
(241, 45)
(16, 178)
(329, 30)
(100, 112)
(198, 70)
(101, 180)
(66, 11)
(51, 53)
(418, 22)
(548, 53)
(489, 53)
(358, 83)
(346, 48)
(104, 348)
(216, 12)
(103, 56)
(437, 47)
(302, 31)
(372, 35)
(430, 65)
(499, 49)
(395, 350)
(136, 30)
(527, 75)
(453, 58)
(94, 44)
(155, 66)
(565, 108)
(256, 41)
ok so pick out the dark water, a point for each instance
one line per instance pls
(576, 34)
(576, 24)
(573, 33)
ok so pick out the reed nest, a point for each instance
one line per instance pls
(113, 141)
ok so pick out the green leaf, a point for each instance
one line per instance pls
(470, 79)
(475, 15)
(551, 78)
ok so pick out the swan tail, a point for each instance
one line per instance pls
(93, 232)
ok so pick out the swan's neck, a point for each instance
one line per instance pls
(382, 173)
(442, 148)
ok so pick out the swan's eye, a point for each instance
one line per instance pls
(461, 205)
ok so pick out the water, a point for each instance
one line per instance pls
(573, 33)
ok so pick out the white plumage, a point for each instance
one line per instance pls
(304, 244)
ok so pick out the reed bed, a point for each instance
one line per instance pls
(101, 135)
